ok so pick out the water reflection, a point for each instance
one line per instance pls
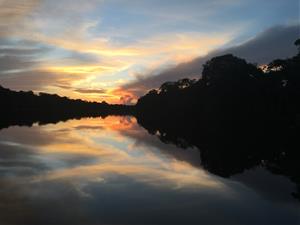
(111, 171)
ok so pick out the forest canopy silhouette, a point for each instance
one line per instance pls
(231, 88)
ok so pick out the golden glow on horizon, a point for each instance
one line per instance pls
(152, 52)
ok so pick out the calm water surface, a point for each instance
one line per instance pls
(111, 171)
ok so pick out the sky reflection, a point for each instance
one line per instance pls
(111, 171)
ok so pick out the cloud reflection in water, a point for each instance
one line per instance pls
(111, 171)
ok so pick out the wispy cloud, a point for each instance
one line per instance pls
(13, 13)
(91, 91)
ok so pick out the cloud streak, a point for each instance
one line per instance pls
(91, 91)
(13, 13)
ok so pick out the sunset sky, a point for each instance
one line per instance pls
(114, 50)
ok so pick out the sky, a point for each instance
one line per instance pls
(116, 50)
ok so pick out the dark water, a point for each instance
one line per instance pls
(111, 171)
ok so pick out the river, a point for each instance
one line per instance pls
(112, 171)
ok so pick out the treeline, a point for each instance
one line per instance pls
(22, 101)
(230, 90)
(238, 115)
(26, 108)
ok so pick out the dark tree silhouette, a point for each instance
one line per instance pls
(26, 108)
(238, 116)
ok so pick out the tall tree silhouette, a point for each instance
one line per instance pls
(238, 116)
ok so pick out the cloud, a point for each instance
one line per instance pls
(8, 63)
(127, 99)
(13, 13)
(19, 55)
(30, 65)
(22, 66)
(87, 127)
(275, 42)
(91, 91)
(38, 80)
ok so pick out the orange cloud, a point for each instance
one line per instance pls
(124, 96)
